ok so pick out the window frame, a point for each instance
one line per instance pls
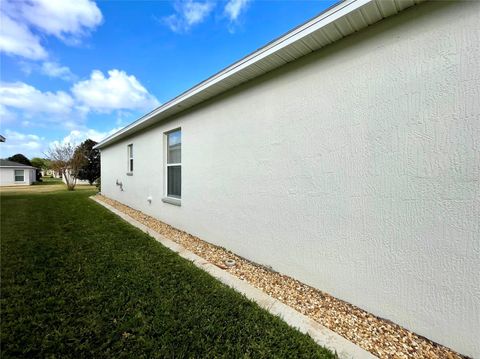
(168, 198)
(15, 175)
(130, 158)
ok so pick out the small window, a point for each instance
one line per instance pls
(174, 164)
(19, 175)
(130, 157)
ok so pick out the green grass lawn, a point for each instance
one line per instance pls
(48, 181)
(47, 185)
(77, 282)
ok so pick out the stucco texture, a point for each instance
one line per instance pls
(355, 170)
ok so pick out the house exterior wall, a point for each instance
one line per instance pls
(78, 181)
(355, 170)
(7, 176)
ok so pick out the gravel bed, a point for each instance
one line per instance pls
(379, 336)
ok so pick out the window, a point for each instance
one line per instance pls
(174, 164)
(130, 157)
(19, 175)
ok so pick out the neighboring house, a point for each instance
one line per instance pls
(71, 179)
(50, 172)
(14, 174)
(344, 154)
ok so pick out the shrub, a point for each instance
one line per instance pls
(98, 184)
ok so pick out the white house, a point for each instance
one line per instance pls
(16, 174)
(345, 153)
(71, 179)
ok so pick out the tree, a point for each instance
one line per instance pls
(20, 159)
(90, 170)
(40, 164)
(67, 161)
(47, 164)
(37, 162)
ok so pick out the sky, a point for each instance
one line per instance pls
(77, 69)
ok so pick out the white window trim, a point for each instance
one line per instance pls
(130, 158)
(168, 199)
(15, 176)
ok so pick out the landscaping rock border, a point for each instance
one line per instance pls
(376, 335)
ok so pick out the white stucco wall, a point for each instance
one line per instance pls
(355, 170)
(7, 176)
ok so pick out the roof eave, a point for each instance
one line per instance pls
(334, 23)
(23, 167)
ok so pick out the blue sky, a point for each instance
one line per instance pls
(77, 69)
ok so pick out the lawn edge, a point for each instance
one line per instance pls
(319, 333)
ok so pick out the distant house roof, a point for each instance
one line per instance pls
(7, 163)
(2, 139)
(338, 21)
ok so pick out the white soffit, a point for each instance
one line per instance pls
(333, 24)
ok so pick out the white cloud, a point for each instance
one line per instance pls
(92, 134)
(28, 107)
(17, 39)
(26, 67)
(118, 91)
(6, 115)
(54, 69)
(195, 12)
(62, 18)
(75, 137)
(22, 96)
(123, 117)
(234, 8)
(68, 20)
(17, 142)
(187, 14)
(32, 145)
(14, 136)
